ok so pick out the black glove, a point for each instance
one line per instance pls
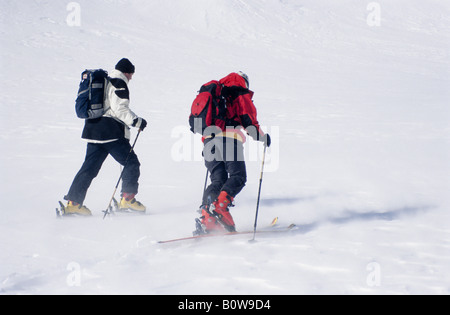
(266, 140)
(140, 123)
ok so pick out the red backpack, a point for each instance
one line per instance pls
(208, 109)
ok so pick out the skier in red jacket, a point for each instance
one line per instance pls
(224, 153)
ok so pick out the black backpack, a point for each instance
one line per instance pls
(91, 94)
(208, 108)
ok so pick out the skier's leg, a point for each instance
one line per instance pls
(235, 167)
(120, 151)
(218, 178)
(95, 156)
(216, 167)
(218, 175)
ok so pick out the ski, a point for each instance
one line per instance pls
(62, 214)
(271, 229)
(113, 210)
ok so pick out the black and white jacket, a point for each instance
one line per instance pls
(118, 118)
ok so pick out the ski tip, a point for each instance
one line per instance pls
(61, 211)
(274, 221)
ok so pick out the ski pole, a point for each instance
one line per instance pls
(204, 191)
(206, 181)
(121, 174)
(259, 193)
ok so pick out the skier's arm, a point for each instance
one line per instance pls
(248, 116)
(119, 99)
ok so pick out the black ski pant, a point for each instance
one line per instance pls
(224, 159)
(96, 154)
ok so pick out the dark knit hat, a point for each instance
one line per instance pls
(125, 66)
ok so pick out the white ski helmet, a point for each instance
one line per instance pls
(242, 74)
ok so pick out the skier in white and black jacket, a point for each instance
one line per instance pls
(110, 134)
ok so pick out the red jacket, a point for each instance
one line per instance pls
(240, 108)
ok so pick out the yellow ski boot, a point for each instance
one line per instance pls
(128, 202)
(76, 208)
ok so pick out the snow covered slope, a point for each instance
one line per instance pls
(355, 95)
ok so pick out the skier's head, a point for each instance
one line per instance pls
(245, 77)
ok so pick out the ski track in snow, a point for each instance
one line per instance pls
(358, 114)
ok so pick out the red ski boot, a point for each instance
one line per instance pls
(208, 222)
(220, 209)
